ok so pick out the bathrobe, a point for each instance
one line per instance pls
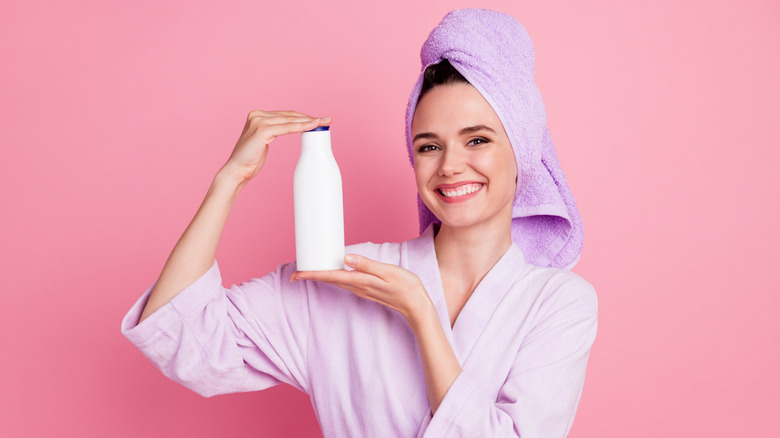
(522, 340)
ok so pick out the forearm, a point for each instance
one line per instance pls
(196, 249)
(401, 290)
(439, 362)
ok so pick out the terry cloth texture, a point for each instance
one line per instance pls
(494, 53)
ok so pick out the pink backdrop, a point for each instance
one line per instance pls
(114, 117)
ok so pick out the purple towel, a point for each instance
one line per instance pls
(494, 53)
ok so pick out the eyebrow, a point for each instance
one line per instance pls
(464, 131)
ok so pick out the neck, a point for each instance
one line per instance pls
(470, 253)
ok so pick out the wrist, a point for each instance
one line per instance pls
(227, 177)
(422, 315)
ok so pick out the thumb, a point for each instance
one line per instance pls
(365, 264)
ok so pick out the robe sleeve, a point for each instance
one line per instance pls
(540, 395)
(217, 340)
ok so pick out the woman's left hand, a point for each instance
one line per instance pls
(400, 289)
(390, 285)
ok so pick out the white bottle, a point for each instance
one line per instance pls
(319, 209)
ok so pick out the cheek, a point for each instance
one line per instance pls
(422, 173)
(500, 169)
(508, 165)
(510, 171)
(513, 170)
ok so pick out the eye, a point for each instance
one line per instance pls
(478, 141)
(427, 148)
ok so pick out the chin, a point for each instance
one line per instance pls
(474, 217)
(458, 222)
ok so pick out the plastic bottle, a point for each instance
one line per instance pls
(319, 208)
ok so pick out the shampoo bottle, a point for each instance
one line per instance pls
(319, 209)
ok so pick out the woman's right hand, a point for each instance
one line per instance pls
(261, 128)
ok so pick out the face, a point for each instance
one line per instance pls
(463, 161)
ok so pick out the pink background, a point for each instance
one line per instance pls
(114, 117)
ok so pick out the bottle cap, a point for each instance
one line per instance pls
(320, 128)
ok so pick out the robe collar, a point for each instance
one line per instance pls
(476, 313)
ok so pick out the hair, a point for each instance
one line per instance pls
(442, 73)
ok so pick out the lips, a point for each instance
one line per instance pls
(464, 189)
(458, 192)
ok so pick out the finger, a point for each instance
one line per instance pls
(355, 285)
(280, 116)
(279, 119)
(352, 278)
(264, 113)
(272, 131)
(257, 120)
(306, 123)
(325, 120)
(365, 264)
(361, 284)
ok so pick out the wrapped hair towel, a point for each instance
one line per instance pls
(494, 53)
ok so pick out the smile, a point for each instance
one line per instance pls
(463, 192)
(460, 191)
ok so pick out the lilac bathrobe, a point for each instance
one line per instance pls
(522, 340)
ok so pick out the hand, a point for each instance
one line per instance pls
(390, 285)
(261, 128)
(401, 290)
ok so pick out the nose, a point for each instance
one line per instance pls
(452, 162)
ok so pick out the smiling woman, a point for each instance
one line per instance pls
(471, 329)
(464, 163)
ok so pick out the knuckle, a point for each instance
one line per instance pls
(258, 122)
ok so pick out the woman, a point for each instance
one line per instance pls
(454, 333)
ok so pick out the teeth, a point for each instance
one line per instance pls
(463, 190)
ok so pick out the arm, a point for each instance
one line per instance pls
(439, 362)
(401, 290)
(194, 253)
(196, 249)
(212, 339)
(218, 340)
(540, 395)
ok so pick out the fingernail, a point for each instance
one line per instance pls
(350, 260)
(292, 277)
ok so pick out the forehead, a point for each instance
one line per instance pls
(451, 107)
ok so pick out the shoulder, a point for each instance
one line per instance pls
(562, 288)
(561, 304)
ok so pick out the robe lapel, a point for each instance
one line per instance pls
(477, 311)
(422, 261)
(481, 305)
